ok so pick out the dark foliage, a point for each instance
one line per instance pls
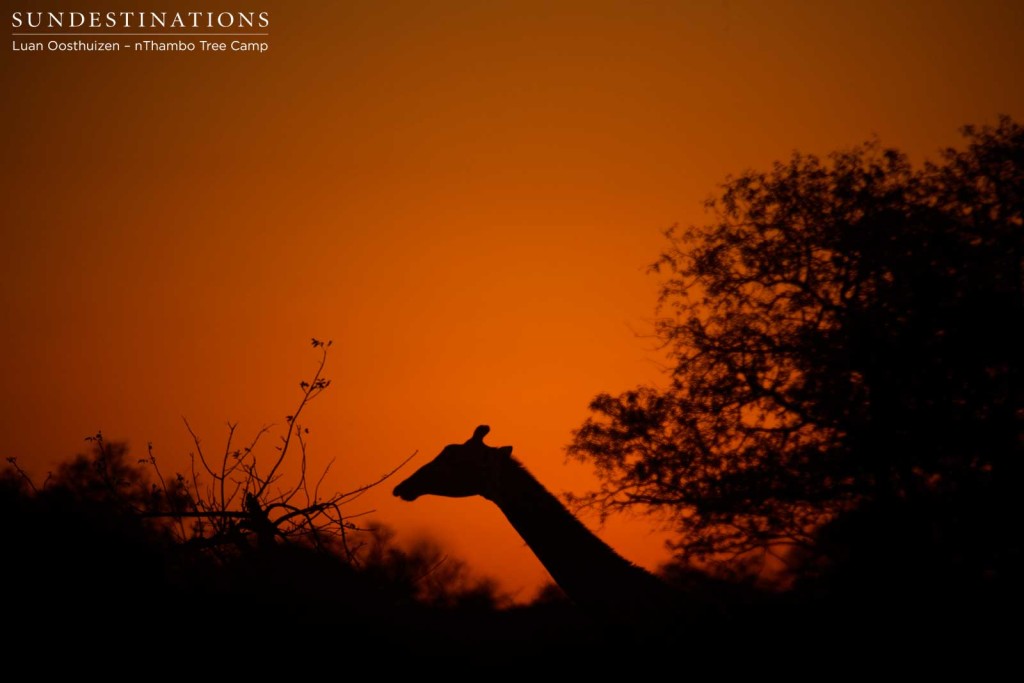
(86, 569)
(84, 550)
(845, 382)
(242, 543)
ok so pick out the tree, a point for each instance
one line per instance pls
(236, 501)
(845, 333)
(247, 536)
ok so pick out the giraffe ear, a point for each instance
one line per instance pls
(506, 451)
(479, 434)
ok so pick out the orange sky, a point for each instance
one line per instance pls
(462, 195)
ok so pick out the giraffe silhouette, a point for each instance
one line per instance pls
(588, 570)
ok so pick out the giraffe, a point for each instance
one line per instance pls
(589, 571)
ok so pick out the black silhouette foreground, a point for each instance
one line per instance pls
(591, 573)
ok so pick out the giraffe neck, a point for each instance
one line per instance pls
(587, 569)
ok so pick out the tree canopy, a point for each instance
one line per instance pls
(845, 332)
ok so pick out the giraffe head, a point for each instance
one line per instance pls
(466, 469)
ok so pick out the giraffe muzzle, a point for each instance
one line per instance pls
(405, 492)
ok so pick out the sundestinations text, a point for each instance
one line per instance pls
(140, 20)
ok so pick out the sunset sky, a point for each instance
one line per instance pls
(463, 196)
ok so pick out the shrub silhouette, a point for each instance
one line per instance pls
(227, 544)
